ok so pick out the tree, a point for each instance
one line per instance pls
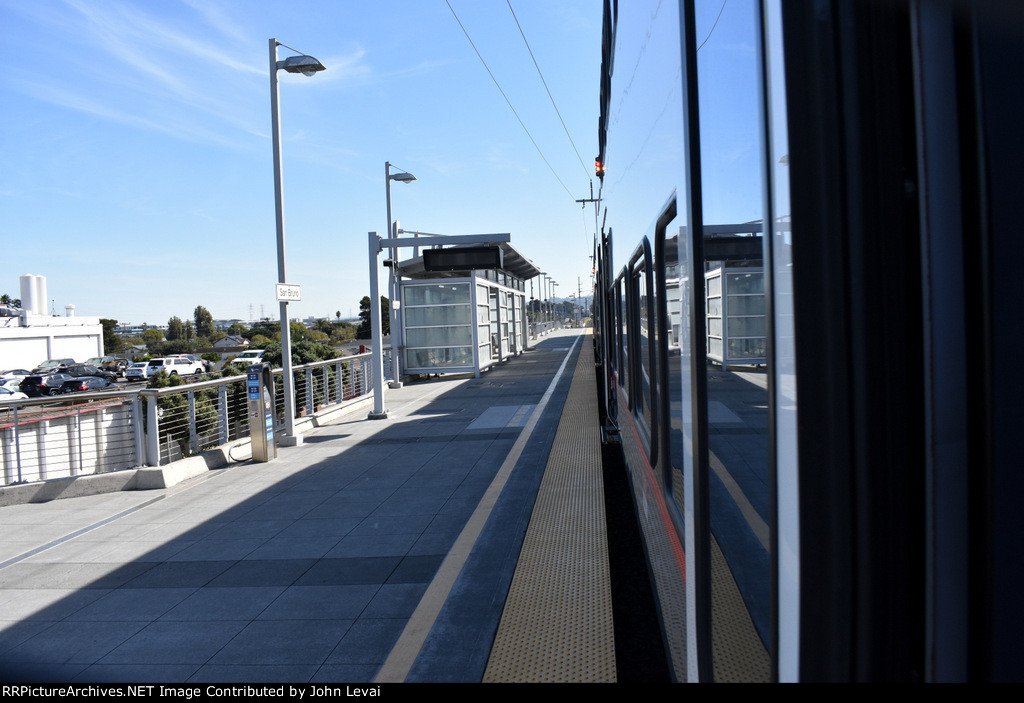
(152, 336)
(111, 342)
(175, 329)
(299, 331)
(343, 333)
(189, 333)
(263, 328)
(8, 300)
(204, 323)
(364, 331)
(178, 346)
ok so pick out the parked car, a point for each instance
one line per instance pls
(53, 366)
(15, 373)
(86, 383)
(7, 393)
(114, 364)
(248, 357)
(137, 371)
(174, 366)
(192, 357)
(10, 384)
(120, 365)
(38, 385)
(80, 370)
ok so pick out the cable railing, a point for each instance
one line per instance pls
(90, 433)
(105, 431)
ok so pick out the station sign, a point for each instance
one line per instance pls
(289, 292)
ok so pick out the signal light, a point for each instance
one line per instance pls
(599, 168)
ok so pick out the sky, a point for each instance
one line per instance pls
(136, 151)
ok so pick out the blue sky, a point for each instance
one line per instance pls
(137, 168)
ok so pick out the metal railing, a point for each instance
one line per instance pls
(50, 438)
(539, 329)
(107, 431)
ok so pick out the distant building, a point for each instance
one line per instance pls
(231, 341)
(32, 336)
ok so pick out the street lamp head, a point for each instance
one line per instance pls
(306, 65)
(403, 177)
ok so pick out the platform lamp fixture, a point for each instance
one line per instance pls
(307, 66)
(393, 292)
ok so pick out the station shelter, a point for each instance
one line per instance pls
(460, 321)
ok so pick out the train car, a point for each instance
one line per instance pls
(806, 302)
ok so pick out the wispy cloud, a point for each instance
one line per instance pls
(146, 71)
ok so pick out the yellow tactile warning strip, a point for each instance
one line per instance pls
(737, 652)
(557, 624)
(409, 644)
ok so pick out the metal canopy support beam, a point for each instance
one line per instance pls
(375, 245)
(439, 240)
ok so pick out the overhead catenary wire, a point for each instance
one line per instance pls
(509, 102)
(550, 96)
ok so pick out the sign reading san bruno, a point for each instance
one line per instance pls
(289, 292)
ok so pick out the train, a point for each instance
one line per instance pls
(806, 320)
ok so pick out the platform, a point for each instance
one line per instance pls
(381, 550)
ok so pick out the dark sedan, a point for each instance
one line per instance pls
(36, 386)
(86, 383)
(82, 370)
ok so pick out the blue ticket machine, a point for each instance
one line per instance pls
(259, 384)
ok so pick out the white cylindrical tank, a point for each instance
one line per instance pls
(69, 310)
(40, 288)
(28, 296)
(33, 294)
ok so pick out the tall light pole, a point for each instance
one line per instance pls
(307, 66)
(541, 288)
(553, 309)
(394, 322)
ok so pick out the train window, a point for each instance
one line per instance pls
(646, 373)
(676, 405)
(622, 302)
(738, 478)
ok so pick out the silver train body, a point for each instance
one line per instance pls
(807, 317)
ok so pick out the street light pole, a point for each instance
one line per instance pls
(540, 293)
(393, 284)
(553, 308)
(306, 65)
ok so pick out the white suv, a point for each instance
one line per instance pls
(174, 366)
(248, 357)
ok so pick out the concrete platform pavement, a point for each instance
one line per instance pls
(303, 569)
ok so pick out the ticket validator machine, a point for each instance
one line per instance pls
(262, 412)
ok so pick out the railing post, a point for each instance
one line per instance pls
(17, 443)
(138, 437)
(310, 400)
(152, 431)
(222, 414)
(76, 466)
(193, 439)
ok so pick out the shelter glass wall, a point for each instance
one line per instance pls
(462, 324)
(438, 320)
